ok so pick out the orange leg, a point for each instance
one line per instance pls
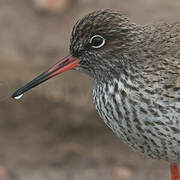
(174, 172)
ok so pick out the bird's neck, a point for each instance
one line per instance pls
(111, 100)
(114, 84)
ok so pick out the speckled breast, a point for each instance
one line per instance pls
(147, 124)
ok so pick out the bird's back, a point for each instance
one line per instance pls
(161, 58)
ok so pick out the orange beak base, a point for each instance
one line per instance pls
(63, 65)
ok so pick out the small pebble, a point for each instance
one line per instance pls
(122, 173)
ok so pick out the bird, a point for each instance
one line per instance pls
(136, 74)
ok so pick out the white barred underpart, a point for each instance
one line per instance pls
(143, 120)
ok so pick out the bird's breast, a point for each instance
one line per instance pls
(144, 122)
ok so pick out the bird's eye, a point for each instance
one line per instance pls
(97, 41)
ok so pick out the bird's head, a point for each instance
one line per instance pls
(100, 45)
(101, 41)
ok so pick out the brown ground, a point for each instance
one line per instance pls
(54, 132)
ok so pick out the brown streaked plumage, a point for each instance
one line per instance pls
(136, 73)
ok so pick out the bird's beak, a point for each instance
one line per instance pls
(63, 65)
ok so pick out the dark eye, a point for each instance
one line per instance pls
(97, 41)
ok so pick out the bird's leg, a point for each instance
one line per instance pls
(175, 172)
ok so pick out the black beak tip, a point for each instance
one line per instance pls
(16, 94)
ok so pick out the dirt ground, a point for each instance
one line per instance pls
(54, 132)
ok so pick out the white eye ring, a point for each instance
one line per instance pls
(94, 40)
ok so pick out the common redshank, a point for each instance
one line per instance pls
(136, 73)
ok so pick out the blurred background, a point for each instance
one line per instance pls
(54, 132)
